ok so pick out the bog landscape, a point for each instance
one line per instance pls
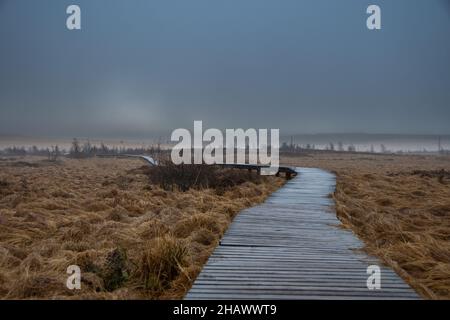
(224, 150)
(139, 231)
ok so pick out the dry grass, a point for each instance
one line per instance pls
(130, 239)
(400, 207)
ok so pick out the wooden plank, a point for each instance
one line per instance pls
(289, 171)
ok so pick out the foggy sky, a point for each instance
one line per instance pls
(143, 67)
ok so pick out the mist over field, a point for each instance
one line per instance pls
(373, 142)
(140, 71)
(362, 142)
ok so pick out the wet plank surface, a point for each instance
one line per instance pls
(290, 247)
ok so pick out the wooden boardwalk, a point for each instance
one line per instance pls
(149, 160)
(290, 247)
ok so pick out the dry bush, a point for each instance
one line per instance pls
(199, 176)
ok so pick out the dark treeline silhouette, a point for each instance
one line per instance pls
(296, 148)
(79, 150)
(339, 147)
(86, 150)
(52, 153)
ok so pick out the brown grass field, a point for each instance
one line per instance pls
(135, 240)
(399, 205)
(131, 239)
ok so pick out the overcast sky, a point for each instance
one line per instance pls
(139, 68)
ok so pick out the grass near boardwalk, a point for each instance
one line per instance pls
(399, 205)
(131, 235)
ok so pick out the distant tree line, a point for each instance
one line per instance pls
(79, 150)
(86, 150)
(339, 147)
(295, 148)
(52, 153)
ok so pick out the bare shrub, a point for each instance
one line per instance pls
(75, 150)
(53, 154)
(197, 176)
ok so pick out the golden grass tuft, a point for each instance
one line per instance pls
(186, 226)
(161, 262)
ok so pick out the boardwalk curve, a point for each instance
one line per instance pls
(290, 247)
